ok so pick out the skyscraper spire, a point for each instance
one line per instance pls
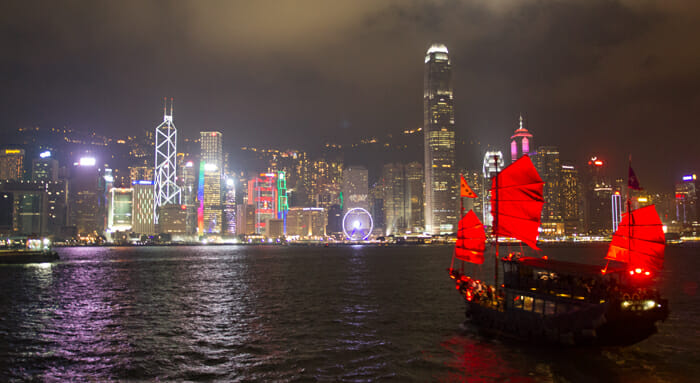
(521, 142)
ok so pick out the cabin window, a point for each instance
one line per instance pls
(549, 308)
(527, 303)
(518, 302)
(539, 306)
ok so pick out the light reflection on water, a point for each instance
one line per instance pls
(285, 313)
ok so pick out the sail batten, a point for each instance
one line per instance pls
(517, 199)
(640, 244)
(471, 239)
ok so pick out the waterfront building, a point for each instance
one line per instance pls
(120, 210)
(33, 207)
(548, 165)
(441, 184)
(686, 201)
(414, 197)
(394, 196)
(173, 219)
(142, 207)
(307, 222)
(87, 197)
(598, 193)
(211, 167)
(229, 207)
(520, 142)
(335, 221)
(166, 190)
(11, 164)
(570, 196)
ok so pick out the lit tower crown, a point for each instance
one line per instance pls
(520, 143)
(166, 191)
(440, 193)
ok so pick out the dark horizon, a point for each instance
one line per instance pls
(606, 78)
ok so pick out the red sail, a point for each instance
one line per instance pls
(642, 244)
(517, 199)
(471, 239)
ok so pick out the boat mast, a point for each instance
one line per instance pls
(495, 223)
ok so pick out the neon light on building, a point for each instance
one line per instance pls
(282, 206)
(166, 190)
(200, 198)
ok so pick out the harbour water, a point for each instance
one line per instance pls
(288, 313)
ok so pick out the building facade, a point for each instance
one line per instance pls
(441, 186)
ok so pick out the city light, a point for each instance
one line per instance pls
(642, 199)
(189, 164)
(689, 177)
(210, 167)
(87, 161)
(45, 154)
(12, 151)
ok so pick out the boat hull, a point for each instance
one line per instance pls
(604, 324)
(20, 257)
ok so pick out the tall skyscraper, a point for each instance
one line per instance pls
(493, 163)
(548, 166)
(439, 143)
(520, 142)
(142, 207)
(571, 199)
(211, 169)
(166, 190)
(355, 188)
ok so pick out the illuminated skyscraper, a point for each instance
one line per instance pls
(166, 191)
(521, 142)
(570, 188)
(439, 143)
(142, 207)
(355, 188)
(548, 165)
(211, 168)
(12, 164)
(493, 163)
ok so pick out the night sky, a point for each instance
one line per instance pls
(610, 78)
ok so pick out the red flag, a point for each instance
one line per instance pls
(633, 181)
(466, 190)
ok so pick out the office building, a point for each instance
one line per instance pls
(12, 164)
(166, 191)
(211, 173)
(441, 184)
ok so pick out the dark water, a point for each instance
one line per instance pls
(351, 314)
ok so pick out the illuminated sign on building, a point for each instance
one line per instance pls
(87, 161)
(45, 154)
(13, 151)
(689, 177)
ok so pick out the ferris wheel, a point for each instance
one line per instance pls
(357, 224)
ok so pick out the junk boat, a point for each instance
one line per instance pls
(551, 301)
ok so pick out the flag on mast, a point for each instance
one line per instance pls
(632, 180)
(466, 190)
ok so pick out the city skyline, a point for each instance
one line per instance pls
(594, 78)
